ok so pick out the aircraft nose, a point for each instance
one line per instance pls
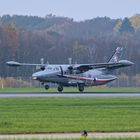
(34, 76)
(37, 75)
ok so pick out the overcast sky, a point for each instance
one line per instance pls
(77, 9)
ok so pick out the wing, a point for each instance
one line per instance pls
(85, 67)
(80, 68)
(16, 64)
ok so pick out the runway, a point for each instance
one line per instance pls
(69, 94)
(72, 135)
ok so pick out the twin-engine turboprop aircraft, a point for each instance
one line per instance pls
(78, 75)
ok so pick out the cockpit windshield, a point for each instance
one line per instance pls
(52, 68)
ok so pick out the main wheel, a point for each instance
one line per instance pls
(81, 88)
(47, 87)
(60, 88)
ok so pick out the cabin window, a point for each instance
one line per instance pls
(49, 68)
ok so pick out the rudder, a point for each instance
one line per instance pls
(117, 55)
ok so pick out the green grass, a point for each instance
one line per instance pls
(92, 89)
(44, 115)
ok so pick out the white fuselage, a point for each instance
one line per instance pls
(59, 74)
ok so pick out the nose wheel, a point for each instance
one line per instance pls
(60, 88)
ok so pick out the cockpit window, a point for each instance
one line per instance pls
(49, 68)
(53, 68)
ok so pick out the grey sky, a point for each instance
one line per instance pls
(77, 9)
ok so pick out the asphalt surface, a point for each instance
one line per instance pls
(72, 135)
(68, 95)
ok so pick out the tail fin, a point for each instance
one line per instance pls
(117, 55)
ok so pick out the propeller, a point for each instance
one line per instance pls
(70, 68)
(42, 68)
(73, 70)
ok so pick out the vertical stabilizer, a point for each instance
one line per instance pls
(116, 55)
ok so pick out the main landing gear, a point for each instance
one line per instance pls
(60, 88)
(47, 87)
(81, 87)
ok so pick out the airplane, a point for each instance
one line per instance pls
(78, 75)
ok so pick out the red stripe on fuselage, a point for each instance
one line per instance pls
(92, 80)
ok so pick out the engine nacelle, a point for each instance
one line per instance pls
(73, 70)
(42, 68)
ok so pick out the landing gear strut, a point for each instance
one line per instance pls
(81, 87)
(60, 88)
(47, 87)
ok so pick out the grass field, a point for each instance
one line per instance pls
(44, 115)
(92, 89)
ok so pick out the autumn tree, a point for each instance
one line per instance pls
(126, 26)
